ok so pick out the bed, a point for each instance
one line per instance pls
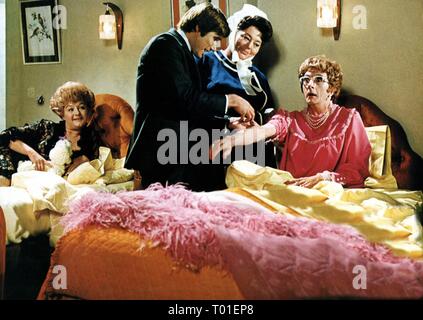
(104, 261)
(113, 120)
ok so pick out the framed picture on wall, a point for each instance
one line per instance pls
(179, 7)
(40, 35)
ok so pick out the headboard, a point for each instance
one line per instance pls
(407, 165)
(114, 119)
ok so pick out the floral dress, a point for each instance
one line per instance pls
(42, 137)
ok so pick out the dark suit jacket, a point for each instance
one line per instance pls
(168, 92)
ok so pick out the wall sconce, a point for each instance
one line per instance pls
(329, 15)
(111, 26)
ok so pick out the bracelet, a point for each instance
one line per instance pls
(325, 175)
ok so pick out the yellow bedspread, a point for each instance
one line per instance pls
(381, 215)
(37, 199)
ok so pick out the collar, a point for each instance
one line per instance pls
(184, 36)
(244, 63)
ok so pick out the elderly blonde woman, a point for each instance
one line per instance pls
(74, 103)
(323, 141)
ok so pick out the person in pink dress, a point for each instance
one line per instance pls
(324, 141)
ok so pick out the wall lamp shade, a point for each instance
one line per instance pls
(329, 15)
(111, 26)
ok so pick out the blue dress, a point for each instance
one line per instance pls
(219, 75)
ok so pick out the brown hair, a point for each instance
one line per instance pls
(262, 24)
(208, 19)
(324, 65)
(72, 92)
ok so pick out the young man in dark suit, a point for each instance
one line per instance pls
(170, 99)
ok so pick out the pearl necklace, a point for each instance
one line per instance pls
(315, 122)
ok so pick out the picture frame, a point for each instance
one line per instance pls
(179, 7)
(40, 37)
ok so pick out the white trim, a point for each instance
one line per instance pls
(224, 62)
(254, 74)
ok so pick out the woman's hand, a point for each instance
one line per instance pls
(39, 162)
(241, 138)
(306, 182)
(223, 145)
(21, 147)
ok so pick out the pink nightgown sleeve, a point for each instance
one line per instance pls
(353, 166)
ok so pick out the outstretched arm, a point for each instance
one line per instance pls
(22, 148)
(242, 138)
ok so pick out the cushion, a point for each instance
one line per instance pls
(380, 159)
(85, 173)
(104, 170)
(116, 176)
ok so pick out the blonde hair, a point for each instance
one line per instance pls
(72, 92)
(324, 65)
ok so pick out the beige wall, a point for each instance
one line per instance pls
(85, 58)
(382, 63)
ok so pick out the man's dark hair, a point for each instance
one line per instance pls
(208, 19)
(262, 24)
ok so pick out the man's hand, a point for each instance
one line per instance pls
(237, 124)
(241, 106)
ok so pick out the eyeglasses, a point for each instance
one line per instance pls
(318, 80)
(248, 39)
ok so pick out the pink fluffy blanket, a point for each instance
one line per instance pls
(270, 256)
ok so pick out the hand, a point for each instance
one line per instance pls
(39, 162)
(306, 182)
(237, 124)
(223, 145)
(241, 106)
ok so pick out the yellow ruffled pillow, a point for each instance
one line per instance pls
(86, 173)
(380, 159)
(116, 176)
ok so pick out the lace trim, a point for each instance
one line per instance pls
(333, 176)
(337, 136)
